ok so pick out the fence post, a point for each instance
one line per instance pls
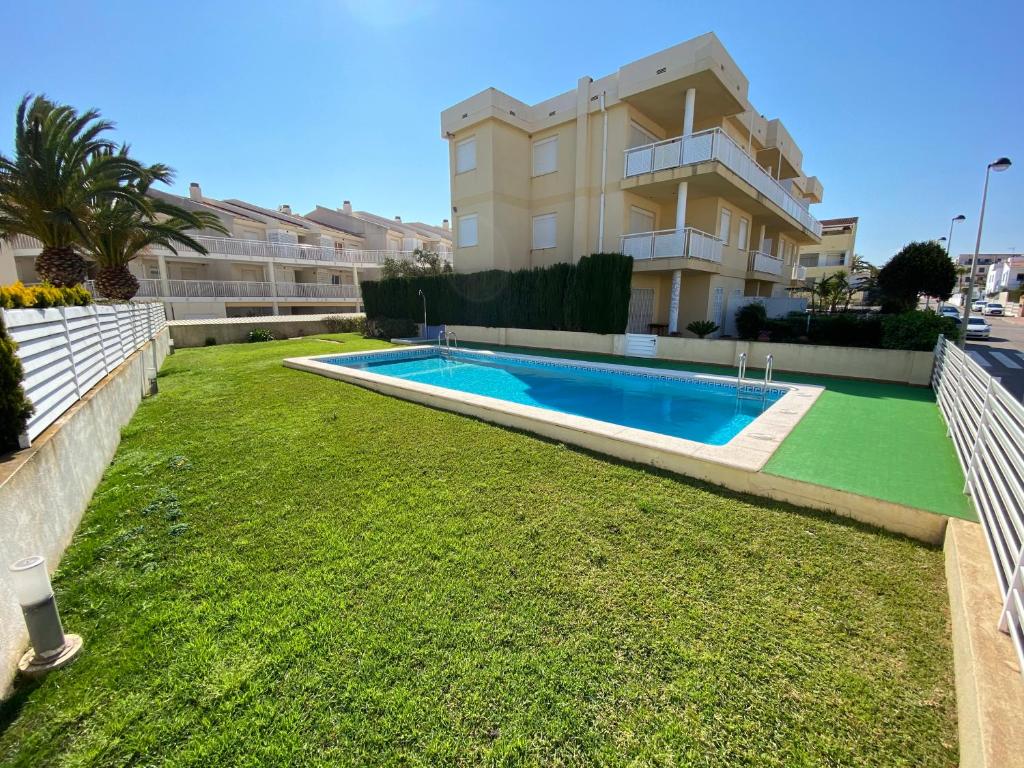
(71, 352)
(959, 392)
(99, 335)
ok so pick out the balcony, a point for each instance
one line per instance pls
(799, 272)
(688, 243)
(261, 249)
(716, 145)
(239, 289)
(759, 261)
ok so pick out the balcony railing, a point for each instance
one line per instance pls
(715, 144)
(758, 261)
(799, 272)
(673, 243)
(236, 246)
(238, 289)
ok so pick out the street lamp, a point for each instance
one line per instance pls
(949, 240)
(998, 166)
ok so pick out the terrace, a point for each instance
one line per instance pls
(367, 599)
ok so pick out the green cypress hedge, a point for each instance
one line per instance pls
(15, 408)
(592, 296)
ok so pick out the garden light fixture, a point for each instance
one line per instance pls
(51, 648)
(424, 297)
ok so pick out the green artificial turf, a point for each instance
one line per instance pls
(283, 569)
(886, 441)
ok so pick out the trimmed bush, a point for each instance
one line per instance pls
(15, 409)
(343, 324)
(20, 296)
(261, 334)
(592, 296)
(751, 319)
(917, 330)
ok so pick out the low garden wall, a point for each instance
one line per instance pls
(892, 365)
(233, 330)
(45, 489)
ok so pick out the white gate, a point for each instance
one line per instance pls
(641, 310)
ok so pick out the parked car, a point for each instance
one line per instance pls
(978, 305)
(947, 310)
(993, 308)
(978, 328)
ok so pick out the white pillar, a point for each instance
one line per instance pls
(691, 95)
(760, 241)
(681, 205)
(673, 302)
(272, 269)
(355, 280)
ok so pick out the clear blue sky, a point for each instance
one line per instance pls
(897, 106)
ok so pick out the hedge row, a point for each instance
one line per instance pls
(592, 296)
(20, 296)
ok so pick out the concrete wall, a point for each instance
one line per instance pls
(45, 489)
(846, 362)
(194, 334)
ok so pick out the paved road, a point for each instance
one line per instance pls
(1002, 355)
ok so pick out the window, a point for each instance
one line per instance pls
(744, 235)
(808, 259)
(467, 230)
(465, 155)
(640, 220)
(545, 231)
(724, 225)
(545, 156)
(154, 273)
(639, 136)
(335, 279)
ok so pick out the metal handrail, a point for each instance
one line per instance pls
(742, 371)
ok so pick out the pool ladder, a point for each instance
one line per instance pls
(741, 374)
(447, 337)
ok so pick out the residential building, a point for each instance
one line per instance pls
(981, 268)
(272, 262)
(834, 253)
(384, 234)
(1006, 274)
(665, 160)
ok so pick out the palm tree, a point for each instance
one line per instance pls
(62, 167)
(121, 228)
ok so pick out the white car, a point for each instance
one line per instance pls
(978, 305)
(978, 328)
(949, 311)
(994, 308)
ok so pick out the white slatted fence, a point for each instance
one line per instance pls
(986, 425)
(65, 350)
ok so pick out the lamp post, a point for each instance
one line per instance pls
(949, 240)
(424, 297)
(998, 166)
(51, 648)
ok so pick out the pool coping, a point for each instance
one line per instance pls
(743, 474)
(750, 449)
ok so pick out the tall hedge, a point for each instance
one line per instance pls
(15, 408)
(592, 295)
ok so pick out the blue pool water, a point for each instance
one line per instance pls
(707, 412)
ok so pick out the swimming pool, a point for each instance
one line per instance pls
(702, 409)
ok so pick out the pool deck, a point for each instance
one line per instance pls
(874, 439)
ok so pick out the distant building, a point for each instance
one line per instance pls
(273, 262)
(981, 268)
(835, 252)
(1006, 274)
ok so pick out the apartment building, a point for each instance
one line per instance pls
(982, 267)
(1006, 274)
(274, 262)
(834, 253)
(384, 234)
(665, 160)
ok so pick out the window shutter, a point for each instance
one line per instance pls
(545, 231)
(465, 155)
(467, 230)
(545, 156)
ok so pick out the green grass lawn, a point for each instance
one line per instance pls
(882, 440)
(283, 569)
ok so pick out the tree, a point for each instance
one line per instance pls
(62, 167)
(920, 269)
(423, 264)
(15, 408)
(119, 229)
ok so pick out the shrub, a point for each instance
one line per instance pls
(917, 330)
(15, 408)
(751, 319)
(210, 341)
(592, 295)
(701, 328)
(343, 324)
(261, 334)
(20, 296)
(919, 269)
(389, 328)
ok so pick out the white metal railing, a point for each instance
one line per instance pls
(799, 272)
(261, 249)
(237, 289)
(673, 243)
(759, 261)
(715, 144)
(986, 425)
(65, 351)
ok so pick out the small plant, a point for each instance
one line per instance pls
(20, 296)
(15, 407)
(702, 328)
(261, 334)
(210, 341)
